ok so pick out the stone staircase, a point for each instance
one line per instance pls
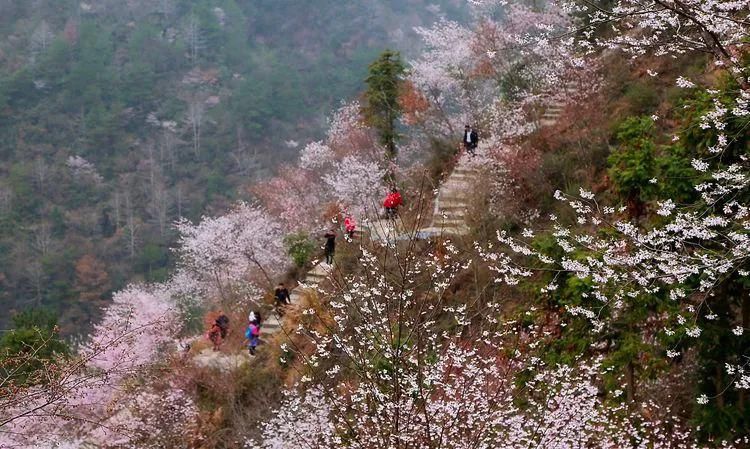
(453, 201)
(315, 276)
(551, 114)
(449, 218)
(554, 110)
(380, 230)
(271, 325)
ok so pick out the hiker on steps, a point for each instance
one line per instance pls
(219, 330)
(350, 225)
(252, 335)
(392, 202)
(470, 140)
(281, 298)
(330, 247)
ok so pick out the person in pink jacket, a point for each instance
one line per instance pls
(350, 226)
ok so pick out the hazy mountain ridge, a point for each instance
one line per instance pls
(118, 117)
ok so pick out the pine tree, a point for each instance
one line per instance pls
(382, 109)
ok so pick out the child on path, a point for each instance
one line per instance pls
(254, 317)
(252, 334)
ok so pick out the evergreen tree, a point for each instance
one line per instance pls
(382, 109)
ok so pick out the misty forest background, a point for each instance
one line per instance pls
(117, 117)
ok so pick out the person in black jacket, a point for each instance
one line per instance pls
(330, 247)
(281, 297)
(470, 140)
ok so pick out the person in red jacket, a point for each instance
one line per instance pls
(350, 225)
(392, 202)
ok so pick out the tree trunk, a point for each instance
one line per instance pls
(630, 381)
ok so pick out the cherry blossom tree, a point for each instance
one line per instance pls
(226, 250)
(668, 27)
(316, 155)
(71, 396)
(357, 183)
(388, 360)
(500, 72)
(296, 197)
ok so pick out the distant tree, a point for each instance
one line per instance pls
(194, 120)
(92, 280)
(41, 39)
(383, 108)
(194, 38)
(106, 226)
(224, 250)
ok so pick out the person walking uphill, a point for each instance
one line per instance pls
(470, 140)
(350, 225)
(218, 331)
(330, 247)
(252, 335)
(392, 202)
(281, 298)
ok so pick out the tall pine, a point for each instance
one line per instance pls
(382, 108)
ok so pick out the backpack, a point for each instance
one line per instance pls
(223, 323)
(252, 330)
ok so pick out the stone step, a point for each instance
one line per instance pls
(446, 205)
(467, 171)
(456, 184)
(446, 219)
(547, 122)
(438, 230)
(454, 197)
(449, 223)
(449, 213)
(467, 177)
(270, 326)
(451, 187)
(453, 227)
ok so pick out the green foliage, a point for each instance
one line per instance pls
(383, 109)
(32, 343)
(153, 261)
(641, 97)
(632, 163)
(299, 247)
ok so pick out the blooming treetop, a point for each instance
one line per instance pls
(669, 27)
(496, 73)
(357, 183)
(295, 196)
(225, 250)
(316, 155)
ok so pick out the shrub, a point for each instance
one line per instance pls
(299, 247)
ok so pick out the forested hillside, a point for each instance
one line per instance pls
(118, 117)
(533, 232)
